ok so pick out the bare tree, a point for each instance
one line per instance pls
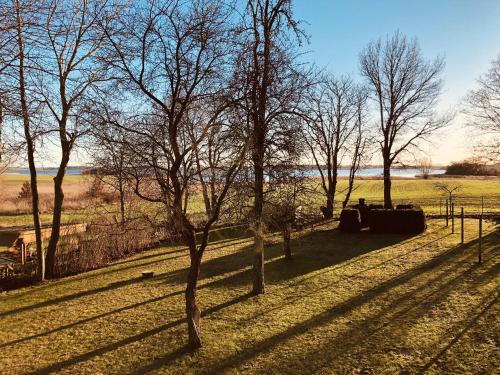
(20, 22)
(405, 88)
(110, 159)
(67, 75)
(425, 167)
(288, 191)
(484, 109)
(174, 58)
(360, 151)
(337, 118)
(272, 80)
(211, 153)
(448, 188)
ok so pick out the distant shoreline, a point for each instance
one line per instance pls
(309, 171)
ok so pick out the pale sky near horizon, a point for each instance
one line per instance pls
(465, 32)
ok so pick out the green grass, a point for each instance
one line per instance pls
(346, 304)
(424, 193)
(416, 191)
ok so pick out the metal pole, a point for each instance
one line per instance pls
(480, 255)
(452, 217)
(462, 224)
(446, 212)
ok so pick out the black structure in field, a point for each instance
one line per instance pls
(404, 219)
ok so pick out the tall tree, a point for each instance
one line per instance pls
(335, 124)
(20, 22)
(272, 81)
(484, 109)
(8, 57)
(405, 88)
(359, 148)
(173, 58)
(67, 76)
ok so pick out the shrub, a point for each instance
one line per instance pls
(25, 192)
(470, 168)
(103, 243)
(97, 190)
(410, 220)
(350, 220)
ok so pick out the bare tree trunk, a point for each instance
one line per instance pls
(122, 203)
(330, 196)
(387, 183)
(350, 187)
(1, 127)
(57, 213)
(192, 311)
(258, 230)
(287, 231)
(206, 199)
(204, 189)
(30, 148)
(352, 175)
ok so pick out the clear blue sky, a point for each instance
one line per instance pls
(465, 32)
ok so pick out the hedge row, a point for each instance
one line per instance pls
(410, 220)
(404, 219)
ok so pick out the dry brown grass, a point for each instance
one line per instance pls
(76, 195)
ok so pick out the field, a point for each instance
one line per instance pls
(364, 304)
(79, 208)
(14, 211)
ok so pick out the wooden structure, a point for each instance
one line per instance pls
(17, 239)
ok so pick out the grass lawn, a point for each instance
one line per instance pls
(347, 303)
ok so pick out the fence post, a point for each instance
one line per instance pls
(452, 217)
(462, 224)
(446, 211)
(480, 254)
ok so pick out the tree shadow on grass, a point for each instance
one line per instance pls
(159, 278)
(336, 311)
(311, 252)
(221, 237)
(411, 305)
(337, 257)
(466, 327)
(141, 336)
(178, 275)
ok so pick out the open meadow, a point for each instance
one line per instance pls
(80, 208)
(347, 303)
(16, 211)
